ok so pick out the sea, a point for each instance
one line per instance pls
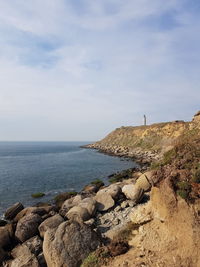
(50, 167)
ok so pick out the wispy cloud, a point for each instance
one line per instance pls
(77, 69)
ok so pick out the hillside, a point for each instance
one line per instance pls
(149, 142)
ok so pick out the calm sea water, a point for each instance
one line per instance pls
(50, 167)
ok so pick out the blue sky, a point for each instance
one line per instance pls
(77, 69)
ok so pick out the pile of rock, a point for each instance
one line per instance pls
(36, 236)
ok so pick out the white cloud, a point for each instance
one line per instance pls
(74, 72)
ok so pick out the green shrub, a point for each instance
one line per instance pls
(91, 261)
(97, 182)
(38, 195)
(182, 193)
(196, 176)
(184, 185)
(169, 156)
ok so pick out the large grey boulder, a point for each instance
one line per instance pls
(69, 244)
(27, 227)
(133, 192)
(12, 211)
(104, 201)
(50, 223)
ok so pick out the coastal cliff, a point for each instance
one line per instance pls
(144, 142)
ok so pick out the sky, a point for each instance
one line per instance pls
(77, 69)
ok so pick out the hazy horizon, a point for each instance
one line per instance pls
(76, 70)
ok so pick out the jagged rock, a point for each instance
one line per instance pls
(27, 227)
(89, 204)
(78, 213)
(13, 211)
(50, 223)
(104, 201)
(141, 214)
(133, 192)
(69, 244)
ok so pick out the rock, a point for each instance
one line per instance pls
(90, 222)
(118, 247)
(22, 258)
(34, 244)
(2, 223)
(104, 201)
(3, 255)
(13, 211)
(50, 223)
(142, 214)
(89, 204)
(92, 188)
(41, 260)
(70, 203)
(145, 181)
(69, 244)
(6, 234)
(113, 190)
(78, 213)
(27, 227)
(124, 204)
(34, 210)
(133, 192)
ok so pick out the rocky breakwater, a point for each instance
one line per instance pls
(66, 234)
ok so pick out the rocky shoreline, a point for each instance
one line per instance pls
(98, 210)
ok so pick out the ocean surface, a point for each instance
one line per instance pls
(50, 167)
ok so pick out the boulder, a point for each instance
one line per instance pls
(133, 192)
(70, 203)
(24, 254)
(50, 223)
(145, 181)
(78, 213)
(22, 258)
(13, 211)
(41, 260)
(27, 227)
(113, 190)
(34, 210)
(89, 204)
(104, 201)
(2, 222)
(34, 244)
(3, 255)
(6, 234)
(69, 244)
